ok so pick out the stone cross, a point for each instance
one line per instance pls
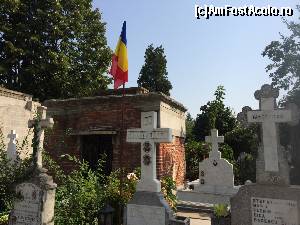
(43, 124)
(269, 115)
(214, 139)
(11, 147)
(148, 135)
(242, 116)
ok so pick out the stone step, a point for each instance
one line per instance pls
(195, 207)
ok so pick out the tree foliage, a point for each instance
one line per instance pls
(285, 56)
(214, 115)
(239, 140)
(52, 49)
(153, 75)
(243, 139)
(189, 125)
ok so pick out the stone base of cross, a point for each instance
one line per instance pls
(148, 135)
(43, 124)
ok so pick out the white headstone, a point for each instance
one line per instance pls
(148, 135)
(11, 147)
(215, 173)
(28, 209)
(269, 116)
(216, 179)
(43, 124)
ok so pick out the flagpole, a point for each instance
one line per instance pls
(122, 149)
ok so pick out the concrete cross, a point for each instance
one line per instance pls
(214, 139)
(269, 115)
(242, 116)
(43, 124)
(148, 135)
(11, 147)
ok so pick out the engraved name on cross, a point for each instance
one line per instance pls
(269, 115)
(214, 139)
(12, 145)
(43, 124)
(148, 135)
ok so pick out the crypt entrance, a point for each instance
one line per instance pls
(93, 147)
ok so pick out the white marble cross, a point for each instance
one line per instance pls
(11, 147)
(214, 139)
(148, 135)
(269, 115)
(43, 124)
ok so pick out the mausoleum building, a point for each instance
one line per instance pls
(91, 126)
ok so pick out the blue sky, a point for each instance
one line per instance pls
(201, 54)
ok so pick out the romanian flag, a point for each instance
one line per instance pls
(119, 67)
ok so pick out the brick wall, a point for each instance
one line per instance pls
(74, 116)
(171, 160)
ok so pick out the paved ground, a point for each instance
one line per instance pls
(196, 218)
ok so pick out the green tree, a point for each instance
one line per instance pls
(285, 56)
(214, 115)
(154, 75)
(244, 143)
(238, 139)
(243, 139)
(189, 124)
(195, 152)
(52, 49)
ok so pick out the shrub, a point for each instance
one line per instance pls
(168, 187)
(11, 173)
(84, 192)
(221, 210)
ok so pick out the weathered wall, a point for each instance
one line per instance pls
(171, 117)
(171, 160)
(15, 110)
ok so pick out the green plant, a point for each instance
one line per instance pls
(80, 195)
(221, 210)
(84, 192)
(168, 187)
(195, 152)
(3, 218)
(12, 172)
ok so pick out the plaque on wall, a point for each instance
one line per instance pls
(266, 211)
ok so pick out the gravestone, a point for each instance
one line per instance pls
(216, 180)
(11, 146)
(271, 200)
(37, 194)
(42, 124)
(148, 205)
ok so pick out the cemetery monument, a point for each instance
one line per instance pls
(148, 205)
(271, 200)
(36, 205)
(216, 180)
